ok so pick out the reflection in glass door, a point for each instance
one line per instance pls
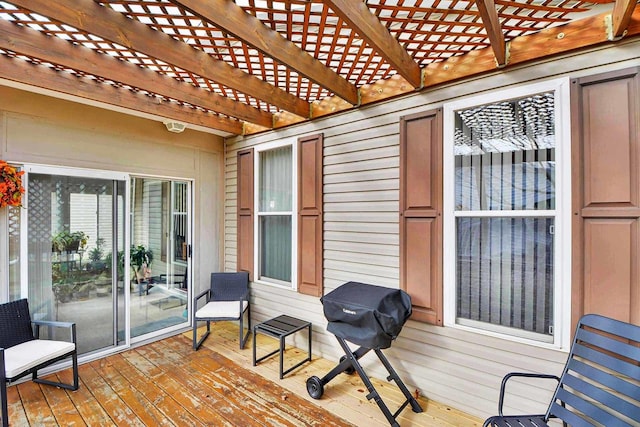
(160, 224)
(75, 225)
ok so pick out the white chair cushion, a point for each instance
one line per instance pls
(27, 355)
(221, 309)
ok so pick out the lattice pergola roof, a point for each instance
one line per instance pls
(247, 65)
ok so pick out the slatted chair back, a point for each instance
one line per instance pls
(229, 286)
(15, 323)
(600, 384)
(23, 353)
(226, 299)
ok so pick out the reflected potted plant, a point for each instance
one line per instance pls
(140, 258)
(66, 241)
(95, 257)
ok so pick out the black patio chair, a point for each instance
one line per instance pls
(600, 383)
(227, 299)
(22, 352)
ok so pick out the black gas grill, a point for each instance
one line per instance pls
(370, 317)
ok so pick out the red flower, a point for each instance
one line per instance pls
(11, 188)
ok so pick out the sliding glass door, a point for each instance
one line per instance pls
(105, 250)
(74, 226)
(160, 253)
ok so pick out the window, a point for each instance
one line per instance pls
(503, 210)
(275, 215)
(278, 237)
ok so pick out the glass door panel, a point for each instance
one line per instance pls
(75, 224)
(160, 224)
(13, 232)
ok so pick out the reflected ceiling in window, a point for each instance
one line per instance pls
(516, 125)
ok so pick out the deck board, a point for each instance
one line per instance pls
(172, 412)
(217, 375)
(35, 405)
(345, 395)
(166, 383)
(15, 407)
(145, 410)
(62, 407)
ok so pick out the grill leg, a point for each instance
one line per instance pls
(415, 406)
(315, 385)
(344, 364)
(373, 393)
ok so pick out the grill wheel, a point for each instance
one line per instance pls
(315, 387)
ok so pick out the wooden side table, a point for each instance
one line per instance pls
(281, 327)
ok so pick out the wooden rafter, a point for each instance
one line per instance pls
(36, 44)
(166, 55)
(104, 22)
(559, 40)
(585, 33)
(369, 27)
(621, 16)
(226, 15)
(23, 72)
(491, 21)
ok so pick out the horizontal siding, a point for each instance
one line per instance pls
(361, 206)
(361, 269)
(363, 176)
(347, 248)
(360, 226)
(459, 360)
(361, 186)
(351, 137)
(354, 237)
(361, 243)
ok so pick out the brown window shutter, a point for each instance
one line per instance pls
(310, 215)
(421, 214)
(245, 212)
(606, 195)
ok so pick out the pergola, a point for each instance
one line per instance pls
(245, 66)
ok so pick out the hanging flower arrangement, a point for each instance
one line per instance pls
(11, 188)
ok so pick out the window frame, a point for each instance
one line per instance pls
(562, 214)
(293, 285)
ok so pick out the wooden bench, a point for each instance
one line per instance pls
(600, 383)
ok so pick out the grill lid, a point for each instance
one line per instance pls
(367, 315)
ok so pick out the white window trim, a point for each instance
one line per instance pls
(562, 248)
(294, 213)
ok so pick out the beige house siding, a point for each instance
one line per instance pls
(361, 243)
(39, 129)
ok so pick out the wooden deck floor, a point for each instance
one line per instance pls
(167, 383)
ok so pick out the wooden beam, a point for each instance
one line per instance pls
(621, 16)
(368, 26)
(231, 18)
(40, 76)
(491, 21)
(581, 34)
(105, 22)
(36, 44)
